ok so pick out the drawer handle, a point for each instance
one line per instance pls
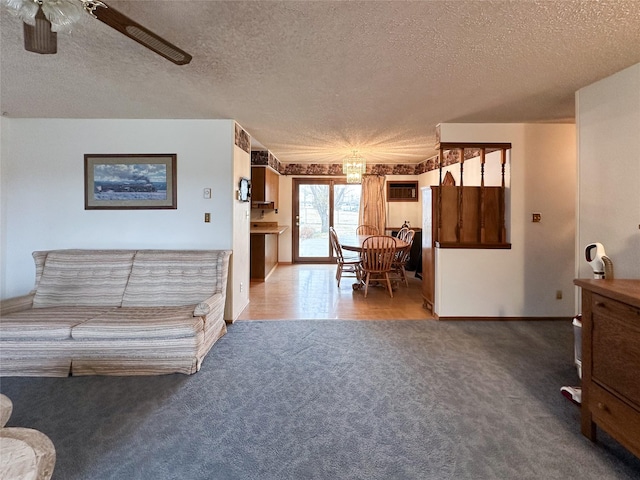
(601, 304)
(602, 406)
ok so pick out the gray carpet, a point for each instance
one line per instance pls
(332, 399)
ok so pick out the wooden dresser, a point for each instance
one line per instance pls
(611, 360)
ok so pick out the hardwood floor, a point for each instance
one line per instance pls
(303, 291)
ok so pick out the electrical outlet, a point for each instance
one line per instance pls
(241, 286)
(536, 217)
(206, 193)
(558, 294)
(207, 217)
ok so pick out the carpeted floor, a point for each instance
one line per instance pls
(334, 400)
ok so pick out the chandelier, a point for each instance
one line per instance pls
(354, 166)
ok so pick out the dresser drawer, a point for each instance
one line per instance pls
(616, 417)
(616, 347)
(613, 309)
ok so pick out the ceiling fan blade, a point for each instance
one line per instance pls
(140, 34)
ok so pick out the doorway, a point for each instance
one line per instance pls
(320, 203)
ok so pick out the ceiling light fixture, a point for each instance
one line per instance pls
(39, 38)
(354, 166)
(61, 14)
(43, 18)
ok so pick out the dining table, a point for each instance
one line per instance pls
(353, 243)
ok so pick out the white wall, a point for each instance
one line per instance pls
(4, 126)
(239, 279)
(608, 122)
(399, 212)
(43, 189)
(285, 217)
(521, 281)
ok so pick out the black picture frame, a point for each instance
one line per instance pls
(130, 181)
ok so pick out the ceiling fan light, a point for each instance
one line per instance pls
(25, 10)
(62, 13)
(39, 38)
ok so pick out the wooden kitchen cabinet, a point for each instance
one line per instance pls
(611, 360)
(265, 187)
(264, 255)
(264, 248)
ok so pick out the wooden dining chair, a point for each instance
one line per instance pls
(367, 230)
(377, 256)
(350, 266)
(401, 257)
(403, 233)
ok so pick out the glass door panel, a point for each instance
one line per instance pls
(313, 221)
(346, 206)
(319, 204)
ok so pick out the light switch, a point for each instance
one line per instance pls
(206, 193)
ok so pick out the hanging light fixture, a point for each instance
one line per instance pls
(354, 166)
(39, 38)
(43, 18)
(61, 14)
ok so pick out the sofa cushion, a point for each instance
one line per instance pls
(83, 278)
(169, 278)
(141, 323)
(53, 323)
(39, 258)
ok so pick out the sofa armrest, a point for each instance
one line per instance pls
(214, 302)
(17, 304)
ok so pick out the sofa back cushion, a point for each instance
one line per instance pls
(83, 278)
(39, 258)
(164, 278)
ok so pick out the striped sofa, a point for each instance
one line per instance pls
(115, 312)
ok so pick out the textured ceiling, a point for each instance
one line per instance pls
(312, 80)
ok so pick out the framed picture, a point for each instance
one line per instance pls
(128, 182)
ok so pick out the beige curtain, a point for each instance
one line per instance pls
(372, 204)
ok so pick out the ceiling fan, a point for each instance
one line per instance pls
(44, 18)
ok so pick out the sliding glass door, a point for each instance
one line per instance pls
(317, 205)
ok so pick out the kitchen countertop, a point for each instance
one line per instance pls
(266, 228)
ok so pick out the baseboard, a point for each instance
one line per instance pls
(501, 319)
